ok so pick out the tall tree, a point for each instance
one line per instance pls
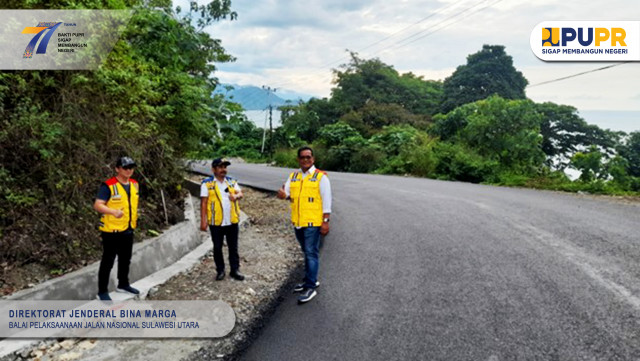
(362, 81)
(487, 72)
(565, 132)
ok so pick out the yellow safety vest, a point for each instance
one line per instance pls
(126, 203)
(306, 201)
(214, 202)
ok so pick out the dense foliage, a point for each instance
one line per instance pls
(61, 131)
(476, 126)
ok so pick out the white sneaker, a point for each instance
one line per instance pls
(300, 286)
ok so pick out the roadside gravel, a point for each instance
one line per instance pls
(269, 257)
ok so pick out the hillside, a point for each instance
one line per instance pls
(255, 98)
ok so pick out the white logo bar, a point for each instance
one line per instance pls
(586, 40)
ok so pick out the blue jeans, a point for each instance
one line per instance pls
(309, 239)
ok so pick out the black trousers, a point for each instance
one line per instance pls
(217, 235)
(115, 244)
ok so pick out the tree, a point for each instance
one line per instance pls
(304, 120)
(487, 72)
(564, 133)
(372, 117)
(363, 81)
(507, 131)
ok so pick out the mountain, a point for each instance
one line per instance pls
(255, 98)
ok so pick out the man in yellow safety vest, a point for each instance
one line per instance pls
(309, 191)
(219, 210)
(117, 201)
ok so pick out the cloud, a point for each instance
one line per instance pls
(296, 44)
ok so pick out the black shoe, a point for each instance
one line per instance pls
(220, 276)
(104, 296)
(300, 286)
(237, 275)
(128, 289)
(307, 295)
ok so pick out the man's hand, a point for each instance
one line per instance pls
(101, 206)
(281, 193)
(233, 197)
(117, 213)
(203, 213)
(324, 229)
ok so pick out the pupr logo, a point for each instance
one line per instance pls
(586, 40)
(39, 30)
(550, 36)
(584, 36)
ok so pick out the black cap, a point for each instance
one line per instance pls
(123, 162)
(220, 161)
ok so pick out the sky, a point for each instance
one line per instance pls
(295, 44)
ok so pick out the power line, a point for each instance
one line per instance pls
(400, 43)
(405, 41)
(578, 74)
(440, 22)
(323, 67)
(412, 25)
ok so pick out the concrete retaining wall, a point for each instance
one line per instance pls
(148, 257)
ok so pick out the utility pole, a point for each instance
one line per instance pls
(269, 90)
(264, 134)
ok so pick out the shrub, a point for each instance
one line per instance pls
(367, 159)
(422, 159)
(459, 163)
(286, 158)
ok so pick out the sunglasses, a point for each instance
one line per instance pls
(305, 157)
(129, 167)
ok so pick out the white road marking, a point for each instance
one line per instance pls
(594, 267)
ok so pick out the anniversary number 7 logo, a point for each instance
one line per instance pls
(39, 31)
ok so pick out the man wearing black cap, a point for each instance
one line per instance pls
(219, 210)
(117, 201)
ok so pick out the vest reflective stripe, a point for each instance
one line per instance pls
(214, 205)
(306, 201)
(120, 200)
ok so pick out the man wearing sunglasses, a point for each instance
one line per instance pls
(117, 201)
(220, 211)
(309, 191)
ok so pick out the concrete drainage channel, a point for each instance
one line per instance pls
(184, 269)
(154, 261)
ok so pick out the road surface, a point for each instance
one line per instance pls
(419, 269)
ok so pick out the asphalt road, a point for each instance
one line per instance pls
(418, 269)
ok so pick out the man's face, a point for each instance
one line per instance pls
(305, 159)
(220, 171)
(125, 172)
